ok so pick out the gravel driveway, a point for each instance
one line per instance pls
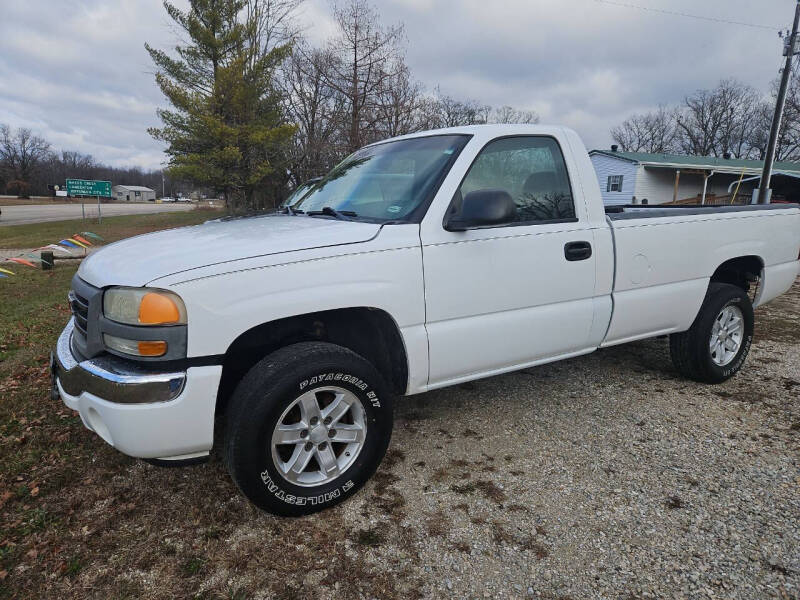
(604, 476)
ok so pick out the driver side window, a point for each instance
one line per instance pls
(531, 170)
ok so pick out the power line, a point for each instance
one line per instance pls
(690, 16)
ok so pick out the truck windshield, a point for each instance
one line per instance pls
(296, 194)
(385, 182)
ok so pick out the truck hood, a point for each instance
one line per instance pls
(138, 260)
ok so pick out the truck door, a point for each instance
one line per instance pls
(500, 298)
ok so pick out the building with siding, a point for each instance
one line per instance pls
(133, 193)
(636, 177)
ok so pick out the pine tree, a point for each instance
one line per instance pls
(225, 129)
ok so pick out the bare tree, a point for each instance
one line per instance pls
(318, 111)
(509, 114)
(365, 54)
(445, 111)
(399, 99)
(275, 23)
(728, 119)
(75, 163)
(699, 123)
(5, 171)
(742, 102)
(789, 135)
(21, 156)
(719, 121)
(653, 132)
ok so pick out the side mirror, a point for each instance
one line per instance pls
(483, 208)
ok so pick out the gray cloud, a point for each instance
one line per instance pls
(584, 63)
(77, 72)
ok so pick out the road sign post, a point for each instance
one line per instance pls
(88, 187)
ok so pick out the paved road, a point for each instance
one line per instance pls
(39, 213)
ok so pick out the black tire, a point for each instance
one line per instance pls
(690, 349)
(260, 400)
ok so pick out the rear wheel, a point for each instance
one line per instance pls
(716, 345)
(307, 427)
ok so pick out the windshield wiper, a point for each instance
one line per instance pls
(293, 211)
(342, 215)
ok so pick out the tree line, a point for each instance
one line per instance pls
(29, 164)
(732, 119)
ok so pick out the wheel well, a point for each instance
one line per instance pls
(369, 332)
(741, 271)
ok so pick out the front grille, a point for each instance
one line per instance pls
(80, 310)
(85, 303)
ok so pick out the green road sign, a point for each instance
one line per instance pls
(87, 187)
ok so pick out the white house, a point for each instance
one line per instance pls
(133, 193)
(633, 177)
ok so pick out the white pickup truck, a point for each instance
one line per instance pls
(417, 263)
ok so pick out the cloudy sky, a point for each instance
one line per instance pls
(77, 73)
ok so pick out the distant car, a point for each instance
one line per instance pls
(169, 199)
(183, 199)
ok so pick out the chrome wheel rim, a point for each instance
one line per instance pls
(319, 436)
(726, 335)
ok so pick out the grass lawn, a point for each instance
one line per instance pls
(48, 460)
(39, 450)
(80, 520)
(112, 228)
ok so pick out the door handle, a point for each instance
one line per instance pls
(577, 251)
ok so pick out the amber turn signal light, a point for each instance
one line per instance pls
(152, 348)
(158, 309)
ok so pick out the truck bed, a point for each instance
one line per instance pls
(644, 211)
(665, 257)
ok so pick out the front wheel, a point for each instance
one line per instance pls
(307, 427)
(716, 345)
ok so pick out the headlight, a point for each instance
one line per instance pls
(143, 306)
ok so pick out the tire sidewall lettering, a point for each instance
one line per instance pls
(314, 500)
(277, 488)
(339, 377)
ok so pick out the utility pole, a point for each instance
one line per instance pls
(790, 50)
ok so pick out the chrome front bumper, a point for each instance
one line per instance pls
(165, 416)
(111, 378)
